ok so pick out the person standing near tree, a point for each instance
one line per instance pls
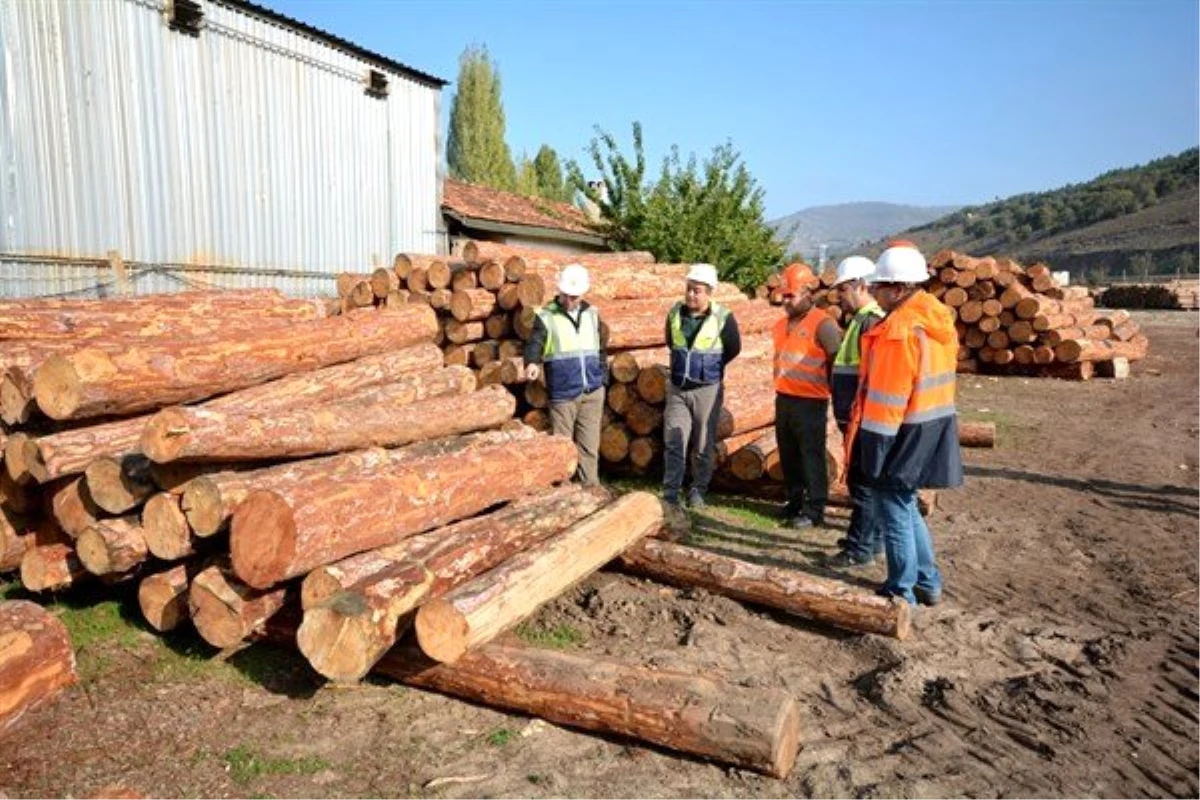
(903, 433)
(854, 275)
(569, 340)
(806, 340)
(703, 338)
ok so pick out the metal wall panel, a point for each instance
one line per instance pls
(251, 146)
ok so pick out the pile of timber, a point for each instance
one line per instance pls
(1175, 294)
(332, 471)
(1017, 320)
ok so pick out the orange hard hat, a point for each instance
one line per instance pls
(798, 277)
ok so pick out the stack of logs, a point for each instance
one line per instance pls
(1174, 294)
(256, 467)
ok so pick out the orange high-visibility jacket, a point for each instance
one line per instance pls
(801, 364)
(904, 427)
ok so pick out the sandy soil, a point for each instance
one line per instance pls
(1063, 663)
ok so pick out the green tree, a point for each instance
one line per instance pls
(710, 211)
(475, 148)
(527, 178)
(550, 183)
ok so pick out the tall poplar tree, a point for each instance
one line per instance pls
(475, 148)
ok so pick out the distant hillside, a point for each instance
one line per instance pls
(843, 227)
(1138, 221)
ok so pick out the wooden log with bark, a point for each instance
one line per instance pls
(356, 609)
(37, 661)
(280, 534)
(51, 566)
(415, 408)
(87, 382)
(115, 545)
(820, 599)
(976, 434)
(753, 728)
(225, 610)
(163, 596)
(479, 610)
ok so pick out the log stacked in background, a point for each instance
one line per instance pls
(1013, 319)
(1174, 294)
(36, 660)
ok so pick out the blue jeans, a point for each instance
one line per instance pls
(906, 540)
(863, 539)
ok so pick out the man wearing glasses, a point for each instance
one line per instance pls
(703, 338)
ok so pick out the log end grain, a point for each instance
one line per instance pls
(92, 550)
(16, 458)
(337, 640)
(57, 386)
(168, 535)
(262, 538)
(36, 659)
(442, 631)
(166, 435)
(163, 598)
(200, 503)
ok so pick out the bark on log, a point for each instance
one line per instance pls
(356, 609)
(747, 407)
(277, 535)
(751, 461)
(18, 536)
(976, 434)
(471, 305)
(112, 545)
(479, 610)
(226, 611)
(753, 728)
(463, 332)
(36, 660)
(820, 599)
(92, 382)
(415, 408)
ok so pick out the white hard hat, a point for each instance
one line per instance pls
(901, 264)
(703, 273)
(854, 268)
(574, 280)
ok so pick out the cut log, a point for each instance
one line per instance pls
(226, 611)
(463, 332)
(117, 485)
(17, 536)
(479, 610)
(280, 534)
(355, 610)
(626, 367)
(747, 407)
(415, 408)
(823, 600)
(404, 263)
(620, 397)
(114, 545)
(73, 508)
(168, 535)
(976, 434)
(751, 461)
(614, 442)
(652, 383)
(643, 419)
(644, 451)
(36, 660)
(472, 304)
(51, 566)
(91, 382)
(163, 597)
(753, 728)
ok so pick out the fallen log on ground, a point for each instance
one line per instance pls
(820, 599)
(226, 611)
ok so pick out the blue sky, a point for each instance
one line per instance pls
(919, 102)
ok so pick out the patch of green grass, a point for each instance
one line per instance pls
(753, 515)
(12, 589)
(101, 622)
(560, 637)
(535, 779)
(244, 765)
(500, 737)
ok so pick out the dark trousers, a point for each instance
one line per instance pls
(800, 434)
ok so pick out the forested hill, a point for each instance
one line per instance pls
(1140, 220)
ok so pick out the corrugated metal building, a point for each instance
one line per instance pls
(204, 143)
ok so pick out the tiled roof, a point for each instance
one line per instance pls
(480, 202)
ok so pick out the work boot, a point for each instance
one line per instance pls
(802, 522)
(671, 499)
(926, 597)
(696, 499)
(844, 560)
(788, 512)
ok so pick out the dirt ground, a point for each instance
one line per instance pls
(1063, 663)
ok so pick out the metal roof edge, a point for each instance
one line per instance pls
(336, 41)
(528, 230)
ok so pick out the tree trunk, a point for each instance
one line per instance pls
(280, 534)
(753, 728)
(73, 508)
(479, 610)
(416, 408)
(225, 611)
(36, 660)
(976, 434)
(368, 599)
(626, 367)
(750, 462)
(168, 535)
(614, 441)
(652, 383)
(89, 382)
(17, 536)
(112, 545)
(747, 407)
(470, 305)
(644, 450)
(828, 601)
(404, 263)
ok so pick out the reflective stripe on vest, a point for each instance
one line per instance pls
(571, 355)
(702, 362)
(800, 361)
(895, 394)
